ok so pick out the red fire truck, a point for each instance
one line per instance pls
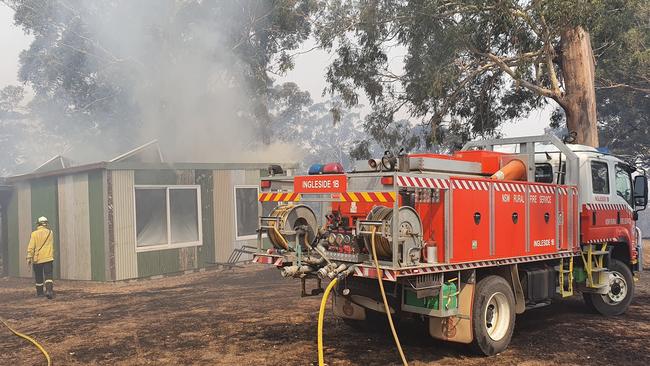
(464, 241)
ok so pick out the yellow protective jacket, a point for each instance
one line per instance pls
(41, 245)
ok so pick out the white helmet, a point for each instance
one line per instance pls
(42, 220)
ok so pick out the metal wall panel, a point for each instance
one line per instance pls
(158, 262)
(224, 219)
(25, 225)
(224, 209)
(74, 227)
(252, 178)
(44, 202)
(187, 257)
(13, 258)
(205, 179)
(238, 177)
(126, 262)
(97, 225)
(4, 237)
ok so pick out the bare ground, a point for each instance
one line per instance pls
(252, 316)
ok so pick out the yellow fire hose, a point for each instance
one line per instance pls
(323, 304)
(40, 348)
(383, 296)
(321, 316)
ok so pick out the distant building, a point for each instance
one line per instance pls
(132, 216)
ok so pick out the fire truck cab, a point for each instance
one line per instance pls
(462, 241)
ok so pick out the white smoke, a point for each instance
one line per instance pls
(185, 82)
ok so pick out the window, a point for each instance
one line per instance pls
(599, 177)
(246, 214)
(624, 183)
(167, 217)
(544, 173)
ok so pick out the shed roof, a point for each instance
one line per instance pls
(144, 157)
(130, 165)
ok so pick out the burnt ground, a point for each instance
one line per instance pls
(252, 316)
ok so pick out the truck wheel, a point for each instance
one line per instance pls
(493, 318)
(620, 294)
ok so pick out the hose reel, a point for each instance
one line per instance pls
(410, 234)
(286, 219)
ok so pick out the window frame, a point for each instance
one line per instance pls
(622, 167)
(609, 178)
(169, 245)
(234, 198)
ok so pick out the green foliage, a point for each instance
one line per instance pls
(623, 94)
(468, 66)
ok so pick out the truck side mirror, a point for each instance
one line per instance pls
(640, 192)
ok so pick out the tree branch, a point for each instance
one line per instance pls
(550, 53)
(525, 83)
(611, 85)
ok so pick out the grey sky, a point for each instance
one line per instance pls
(309, 73)
(12, 41)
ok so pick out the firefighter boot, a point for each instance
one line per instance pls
(39, 290)
(49, 289)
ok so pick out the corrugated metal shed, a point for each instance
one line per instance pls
(91, 209)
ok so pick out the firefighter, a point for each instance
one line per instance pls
(40, 254)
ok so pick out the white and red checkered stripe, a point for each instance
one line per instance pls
(541, 189)
(473, 185)
(422, 182)
(371, 272)
(601, 240)
(509, 187)
(607, 206)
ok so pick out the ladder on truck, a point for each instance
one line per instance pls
(594, 262)
(565, 271)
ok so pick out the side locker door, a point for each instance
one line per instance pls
(509, 219)
(542, 216)
(471, 220)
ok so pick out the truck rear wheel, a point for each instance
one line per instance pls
(493, 317)
(620, 295)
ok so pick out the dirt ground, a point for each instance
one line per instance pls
(252, 316)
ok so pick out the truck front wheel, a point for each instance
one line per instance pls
(493, 317)
(621, 291)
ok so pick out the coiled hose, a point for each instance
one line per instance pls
(383, 296)
(32, 340)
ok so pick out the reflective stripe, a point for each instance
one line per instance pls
(39, 284)
(46, 281)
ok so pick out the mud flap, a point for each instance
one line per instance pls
(344, 308)
(520, 300)
(457, 328)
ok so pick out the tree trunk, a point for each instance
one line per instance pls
(579, 101)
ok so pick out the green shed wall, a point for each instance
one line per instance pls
(13, 241)
(97, 225)
(178, 259)
(4, 241)
(158, 262)
(45, 203)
